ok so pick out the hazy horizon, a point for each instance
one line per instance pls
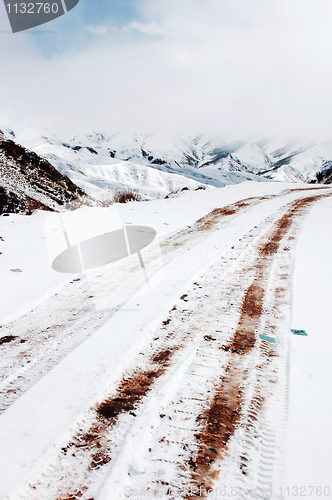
(235, 67)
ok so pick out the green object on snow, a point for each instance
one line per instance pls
(268, 339)
(300, 332)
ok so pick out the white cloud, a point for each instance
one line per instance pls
(237, 66)
(97, 30)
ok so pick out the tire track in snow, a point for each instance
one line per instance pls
(50, 332)
(225, 409)
(100, 447)
(205, 455)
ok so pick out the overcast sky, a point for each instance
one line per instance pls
(243, 67)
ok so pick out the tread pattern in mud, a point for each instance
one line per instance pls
(196, 411)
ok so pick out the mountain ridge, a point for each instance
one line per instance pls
(104, 164)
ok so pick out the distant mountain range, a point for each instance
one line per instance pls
(103, 165)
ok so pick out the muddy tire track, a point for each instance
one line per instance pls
(219, 421)
(41, 339)
(211, 339)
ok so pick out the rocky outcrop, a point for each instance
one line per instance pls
(29, 182)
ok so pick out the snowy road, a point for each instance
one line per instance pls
(172, 393)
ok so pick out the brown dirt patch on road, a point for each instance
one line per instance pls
(216, 426)
(219, 421)
(251, 310)
(7, 339)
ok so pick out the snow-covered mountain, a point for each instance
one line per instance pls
(105, 164)
(29, 182)
(103, 172)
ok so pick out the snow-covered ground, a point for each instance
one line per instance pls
(310, 401)
(25, 248)
(112, 401)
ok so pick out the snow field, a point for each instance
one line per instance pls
(52, 405)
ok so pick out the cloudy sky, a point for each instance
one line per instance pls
(243, 67)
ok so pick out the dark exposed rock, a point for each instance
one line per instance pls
(158, 161)
(29, 182)
(93, 151)
(11, 203)
(324, 176)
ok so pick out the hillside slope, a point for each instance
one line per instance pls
(29, 182)
(104, 164)
(101, 161)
